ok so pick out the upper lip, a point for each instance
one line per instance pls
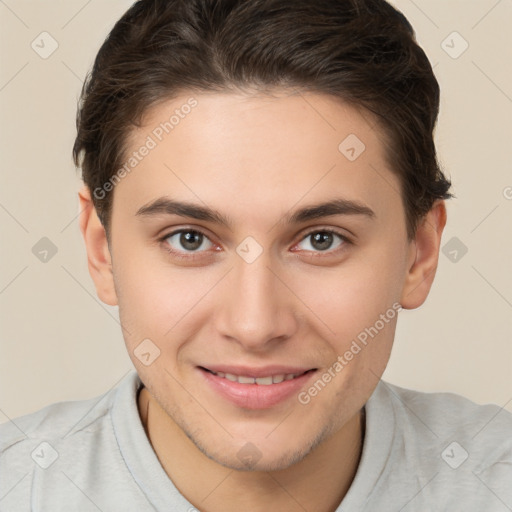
(251, 371)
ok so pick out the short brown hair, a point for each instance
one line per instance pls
(363, 52)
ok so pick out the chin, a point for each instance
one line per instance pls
(257, 461)
(263, 454)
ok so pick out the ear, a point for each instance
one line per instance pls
(424, 256)
(98, 253)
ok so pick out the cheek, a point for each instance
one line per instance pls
(355, 308)
(351, 297)
(156, 300)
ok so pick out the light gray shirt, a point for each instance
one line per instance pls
(422, 452)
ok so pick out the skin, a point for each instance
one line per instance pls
(256, 159)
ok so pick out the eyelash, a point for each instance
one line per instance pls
(182, 255)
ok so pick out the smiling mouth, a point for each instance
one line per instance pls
(262, 381)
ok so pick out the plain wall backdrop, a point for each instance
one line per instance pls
(59, 342)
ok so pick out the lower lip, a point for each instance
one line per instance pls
(255, 396)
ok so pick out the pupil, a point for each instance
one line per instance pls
(322, 240)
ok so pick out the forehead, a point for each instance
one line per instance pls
(231, 149)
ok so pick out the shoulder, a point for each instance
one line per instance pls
(57, 420)
(56, 425)
(447, 413)
(453, 430)
(441, 449)
(46, 455)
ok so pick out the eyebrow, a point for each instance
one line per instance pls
(167, 206)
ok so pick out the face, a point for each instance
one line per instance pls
(249, 276)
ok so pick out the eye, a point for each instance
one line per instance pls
(187, 240)
(188, 243)
(324, 240)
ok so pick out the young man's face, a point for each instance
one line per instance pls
(265, 290)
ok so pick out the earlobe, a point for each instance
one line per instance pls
(424, 257)
(99, 259)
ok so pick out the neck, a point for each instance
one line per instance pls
(318, 482)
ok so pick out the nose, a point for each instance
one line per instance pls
(255, 307)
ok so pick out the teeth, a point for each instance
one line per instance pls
(262, 381)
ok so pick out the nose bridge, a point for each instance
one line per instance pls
(255, 307)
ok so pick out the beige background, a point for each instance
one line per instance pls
(58, 342)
